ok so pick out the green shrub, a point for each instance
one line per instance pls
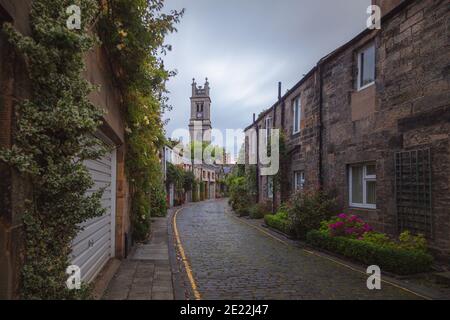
(195, 193)
(307, 209)
(380, 239)
(412, 242)
(394, 259)
(158, 202)
(279, 221)
(202, 191)
(405, 241)
(259, 210)
(240, 198)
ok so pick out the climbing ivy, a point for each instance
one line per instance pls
(133, 32)
(54, 135)
(56, 126)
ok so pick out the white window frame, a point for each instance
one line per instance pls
(298, 187)
(268, 128)
(297, 103)
(366, 178)
(359, 57)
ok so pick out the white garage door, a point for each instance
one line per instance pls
(94, 245)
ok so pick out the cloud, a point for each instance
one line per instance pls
(245, 47)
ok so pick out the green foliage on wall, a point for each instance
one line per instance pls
(188, 181)
(195, 191)
(175, 176)
(133, 32)
(205, 151)
(55, 129)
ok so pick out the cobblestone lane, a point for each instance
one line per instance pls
(231, 260)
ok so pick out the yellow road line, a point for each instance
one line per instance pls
(183, 257)
(327, 258)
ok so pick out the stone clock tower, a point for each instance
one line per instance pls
(200, 122)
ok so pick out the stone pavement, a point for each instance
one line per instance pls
(231, 260)
(146, 274)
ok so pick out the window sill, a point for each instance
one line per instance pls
(362, 207)
(366, 86)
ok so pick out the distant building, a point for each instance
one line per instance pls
(200, 121)
(175, 157)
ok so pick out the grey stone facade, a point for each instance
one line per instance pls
(406, 109)
(200, 121)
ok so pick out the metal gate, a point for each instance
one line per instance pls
(413, 191)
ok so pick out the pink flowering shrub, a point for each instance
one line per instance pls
(349, 226)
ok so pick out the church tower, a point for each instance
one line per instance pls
(200, 122)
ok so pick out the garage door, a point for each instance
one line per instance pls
(94, 245)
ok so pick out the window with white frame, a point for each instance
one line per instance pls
(366, 67)
(299, 180)
(363, 185)
(268, 125)
(297, 114)
(269, 187)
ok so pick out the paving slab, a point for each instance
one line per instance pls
(146, 274)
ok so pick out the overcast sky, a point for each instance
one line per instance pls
(245, 47)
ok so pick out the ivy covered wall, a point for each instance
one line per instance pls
(56, 121)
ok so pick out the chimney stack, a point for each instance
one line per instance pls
(279, 90)
(254, 117)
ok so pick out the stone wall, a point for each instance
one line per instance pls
(386, 5)
(412, 81)
(13, 189)
(406, 109)
(14, 86)
(303, 147)
(414, 97)
(348, 139)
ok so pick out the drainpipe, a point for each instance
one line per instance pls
(274, 187)
(319, 71)
(257, 157)
(282, 161)
(276, 106)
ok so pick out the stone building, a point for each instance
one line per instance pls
(200, 121)
(105, 237)
(371, 121)
(200, 131)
